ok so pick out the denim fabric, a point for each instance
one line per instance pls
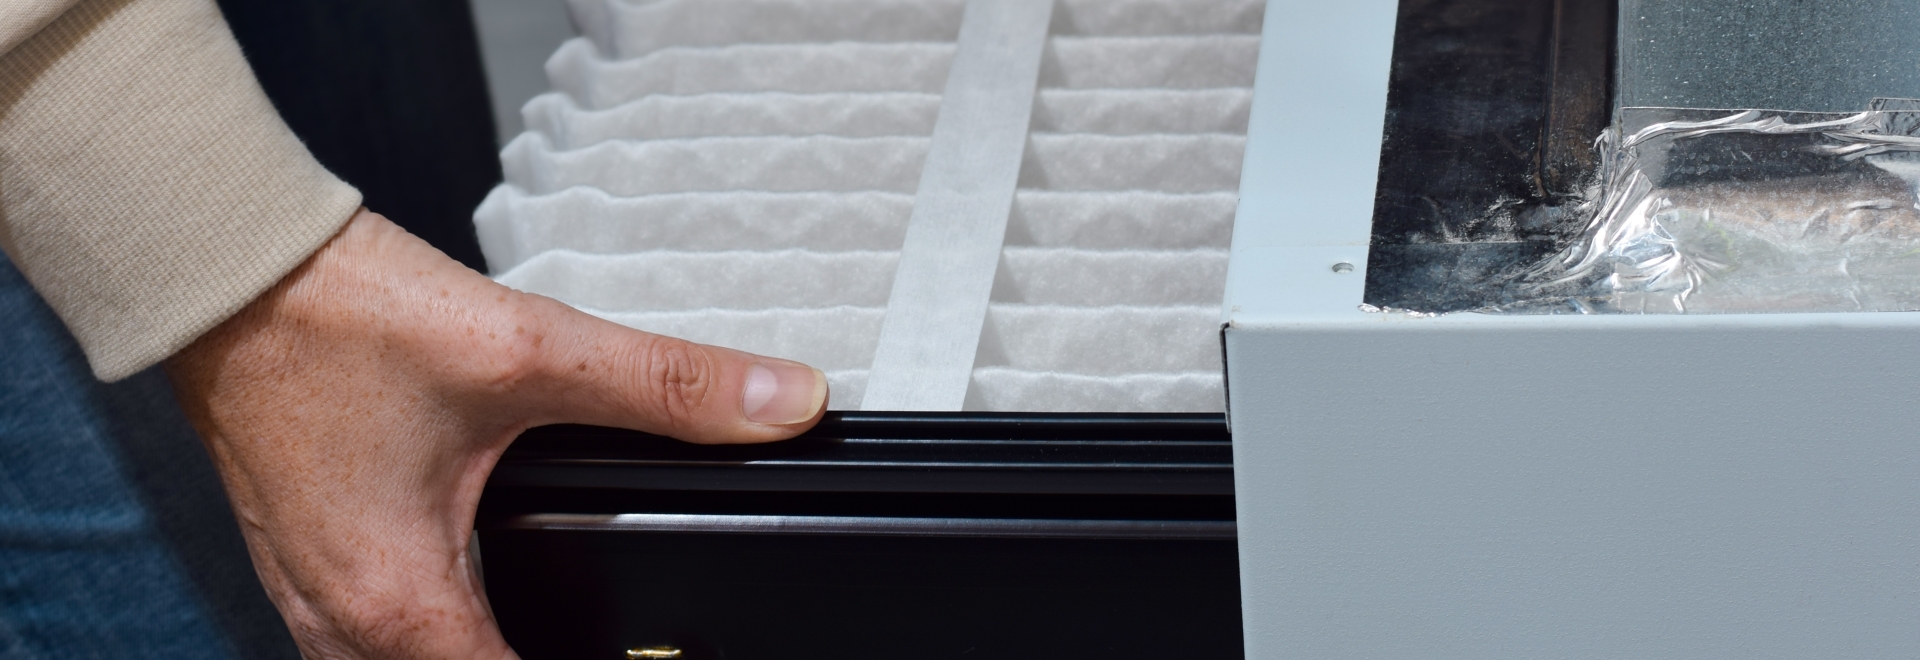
(115, 539)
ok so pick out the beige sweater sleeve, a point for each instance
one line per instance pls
(148, 189)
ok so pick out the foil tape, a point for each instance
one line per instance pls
(1724, 211)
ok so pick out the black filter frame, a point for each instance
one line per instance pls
(874, 535)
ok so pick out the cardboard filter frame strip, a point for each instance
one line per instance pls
(931, 333)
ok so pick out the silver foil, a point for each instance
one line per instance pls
(1702, 211)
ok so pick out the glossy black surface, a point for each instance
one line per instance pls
(578, 588)
(899, 452)
(1492, 109)
(592, 595)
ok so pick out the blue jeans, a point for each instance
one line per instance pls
(116, 540)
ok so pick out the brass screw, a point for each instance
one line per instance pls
(652, 652)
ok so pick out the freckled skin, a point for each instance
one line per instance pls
(355, 410)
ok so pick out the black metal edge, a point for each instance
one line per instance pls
(1226, 381)
(1216, 482)
(835, 425)
(1035, 426)
(1579, 94)
(1010, 458)
(657, 523)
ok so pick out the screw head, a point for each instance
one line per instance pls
(1343, 267)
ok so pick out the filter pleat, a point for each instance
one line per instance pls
(1074, 276)
(1136, 111)
(567, 125)
(1102, 341)
(517, 225)
(584, 219)
(1175, 62)
(1158, 17)
(660, 117)
(1133, 219)
(1019, 390)
(702, 280)
(1163, 162)
(629, 29)
(836, 338)
(777, 163)
(795, 68)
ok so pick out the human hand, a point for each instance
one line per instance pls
(355, 410)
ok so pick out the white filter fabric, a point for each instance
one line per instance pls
(1174, 62)
(627, 29)
(829, 338)
(1121, 220)
(1077, 339)
(796, 68)
(631, 168)
(1018, 390)
(1074, 276)
(660, 117)
(1164, 161)
(741, 172)
(515, 225)
(1135, 111)
(566, 125)
(804, 278)
(1054, 161)
(699, 280)
(1157, 17)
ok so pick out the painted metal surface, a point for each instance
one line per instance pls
(1735, 485)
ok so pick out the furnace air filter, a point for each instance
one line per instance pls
(744, 172)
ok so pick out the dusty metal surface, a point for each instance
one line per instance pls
(1492, 109)
(1514, 178)
(1826, 56)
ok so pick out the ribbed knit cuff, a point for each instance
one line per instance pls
(147, 187)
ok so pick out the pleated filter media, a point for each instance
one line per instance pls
(743, 172)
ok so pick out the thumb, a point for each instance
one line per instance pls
(598, 372)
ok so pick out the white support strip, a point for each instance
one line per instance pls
(939, 300)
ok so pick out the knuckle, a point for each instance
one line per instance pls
(680, 376)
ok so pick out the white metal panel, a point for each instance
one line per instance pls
(1538, 486)
(1594, 488)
